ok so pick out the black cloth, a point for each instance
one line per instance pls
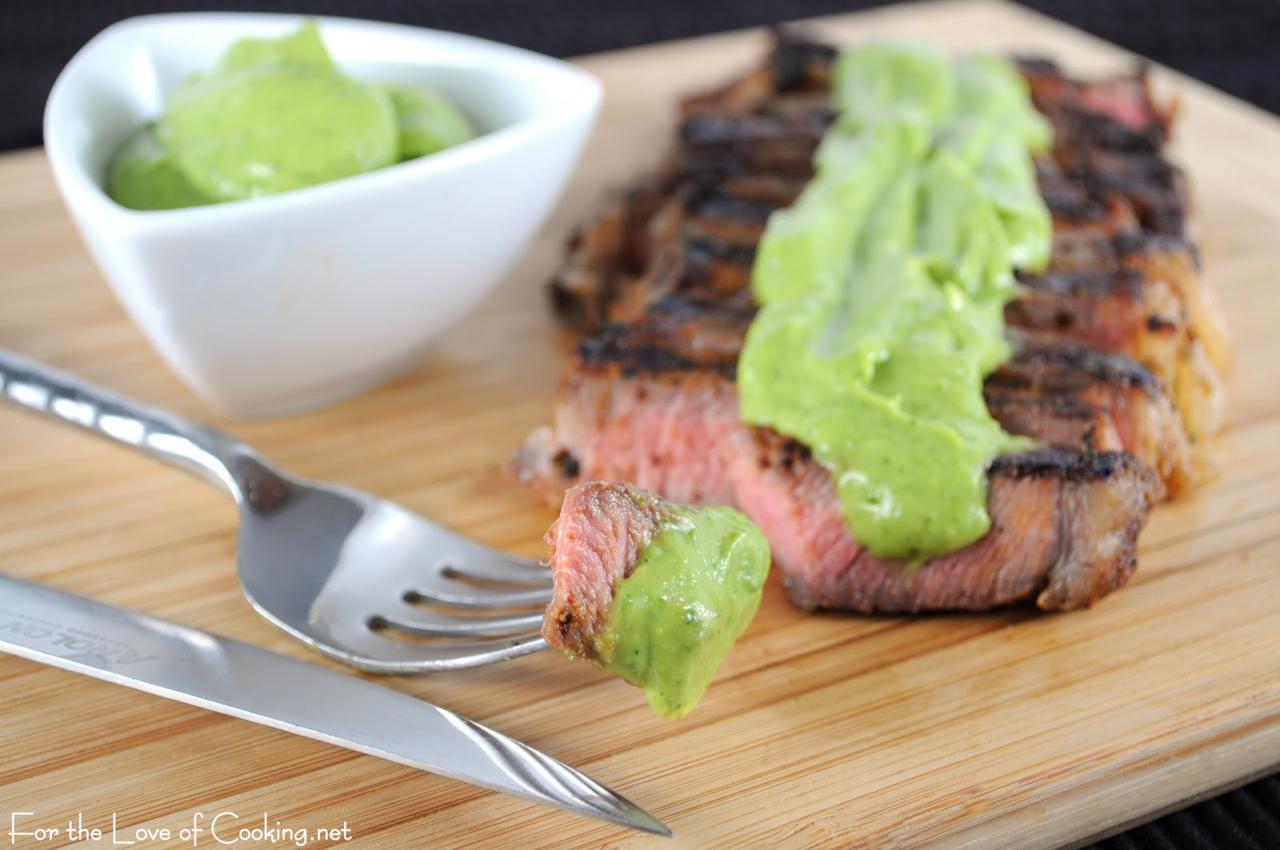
(1231, 44)
(1245, 819)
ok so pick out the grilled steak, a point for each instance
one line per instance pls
(650, 403)
(1118, 363)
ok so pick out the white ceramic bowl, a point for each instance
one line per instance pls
(280, 303)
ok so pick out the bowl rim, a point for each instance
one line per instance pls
(79, 187)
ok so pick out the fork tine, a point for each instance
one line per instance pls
(466, 596)
(378, 653)
(420, 621)
(484, 564)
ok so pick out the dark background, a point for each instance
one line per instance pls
(1231, 44)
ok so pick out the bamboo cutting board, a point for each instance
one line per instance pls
(1009, 729)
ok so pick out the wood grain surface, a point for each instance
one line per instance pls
(1009, 729)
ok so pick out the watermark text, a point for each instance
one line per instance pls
(201, 829)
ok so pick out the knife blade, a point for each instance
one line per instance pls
(188, 665)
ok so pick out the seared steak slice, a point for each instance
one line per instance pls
(653, 401)
(1064, 530)
(624, 256)
(795, 64)
(1117, 112)
(605, 249)
(1140, 298)
(718, 223)
(600, 533)
(685, 258)
(778, 142)
(676, 330)
(1109, 136)
(649, 402)
(1150, 183)
(665, 435)
(1057, 532)
(1071, 395)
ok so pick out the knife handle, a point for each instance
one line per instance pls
(157, 433)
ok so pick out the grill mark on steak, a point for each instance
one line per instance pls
(617, 344)
(734, 208)
(1076, 365)
(799, 63)
(795, 65)
(676, 332)
(1059, 463)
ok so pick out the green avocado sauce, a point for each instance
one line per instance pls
(882, 291)
(693, 591)
(276, 115)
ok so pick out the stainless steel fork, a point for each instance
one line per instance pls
(358, 578)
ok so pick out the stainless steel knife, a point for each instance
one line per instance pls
(181, 663)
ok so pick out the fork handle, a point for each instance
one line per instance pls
(163, 435)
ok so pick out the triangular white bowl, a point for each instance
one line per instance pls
(286, 302)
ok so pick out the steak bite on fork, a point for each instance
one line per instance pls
(652, 591)
(595, 543)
